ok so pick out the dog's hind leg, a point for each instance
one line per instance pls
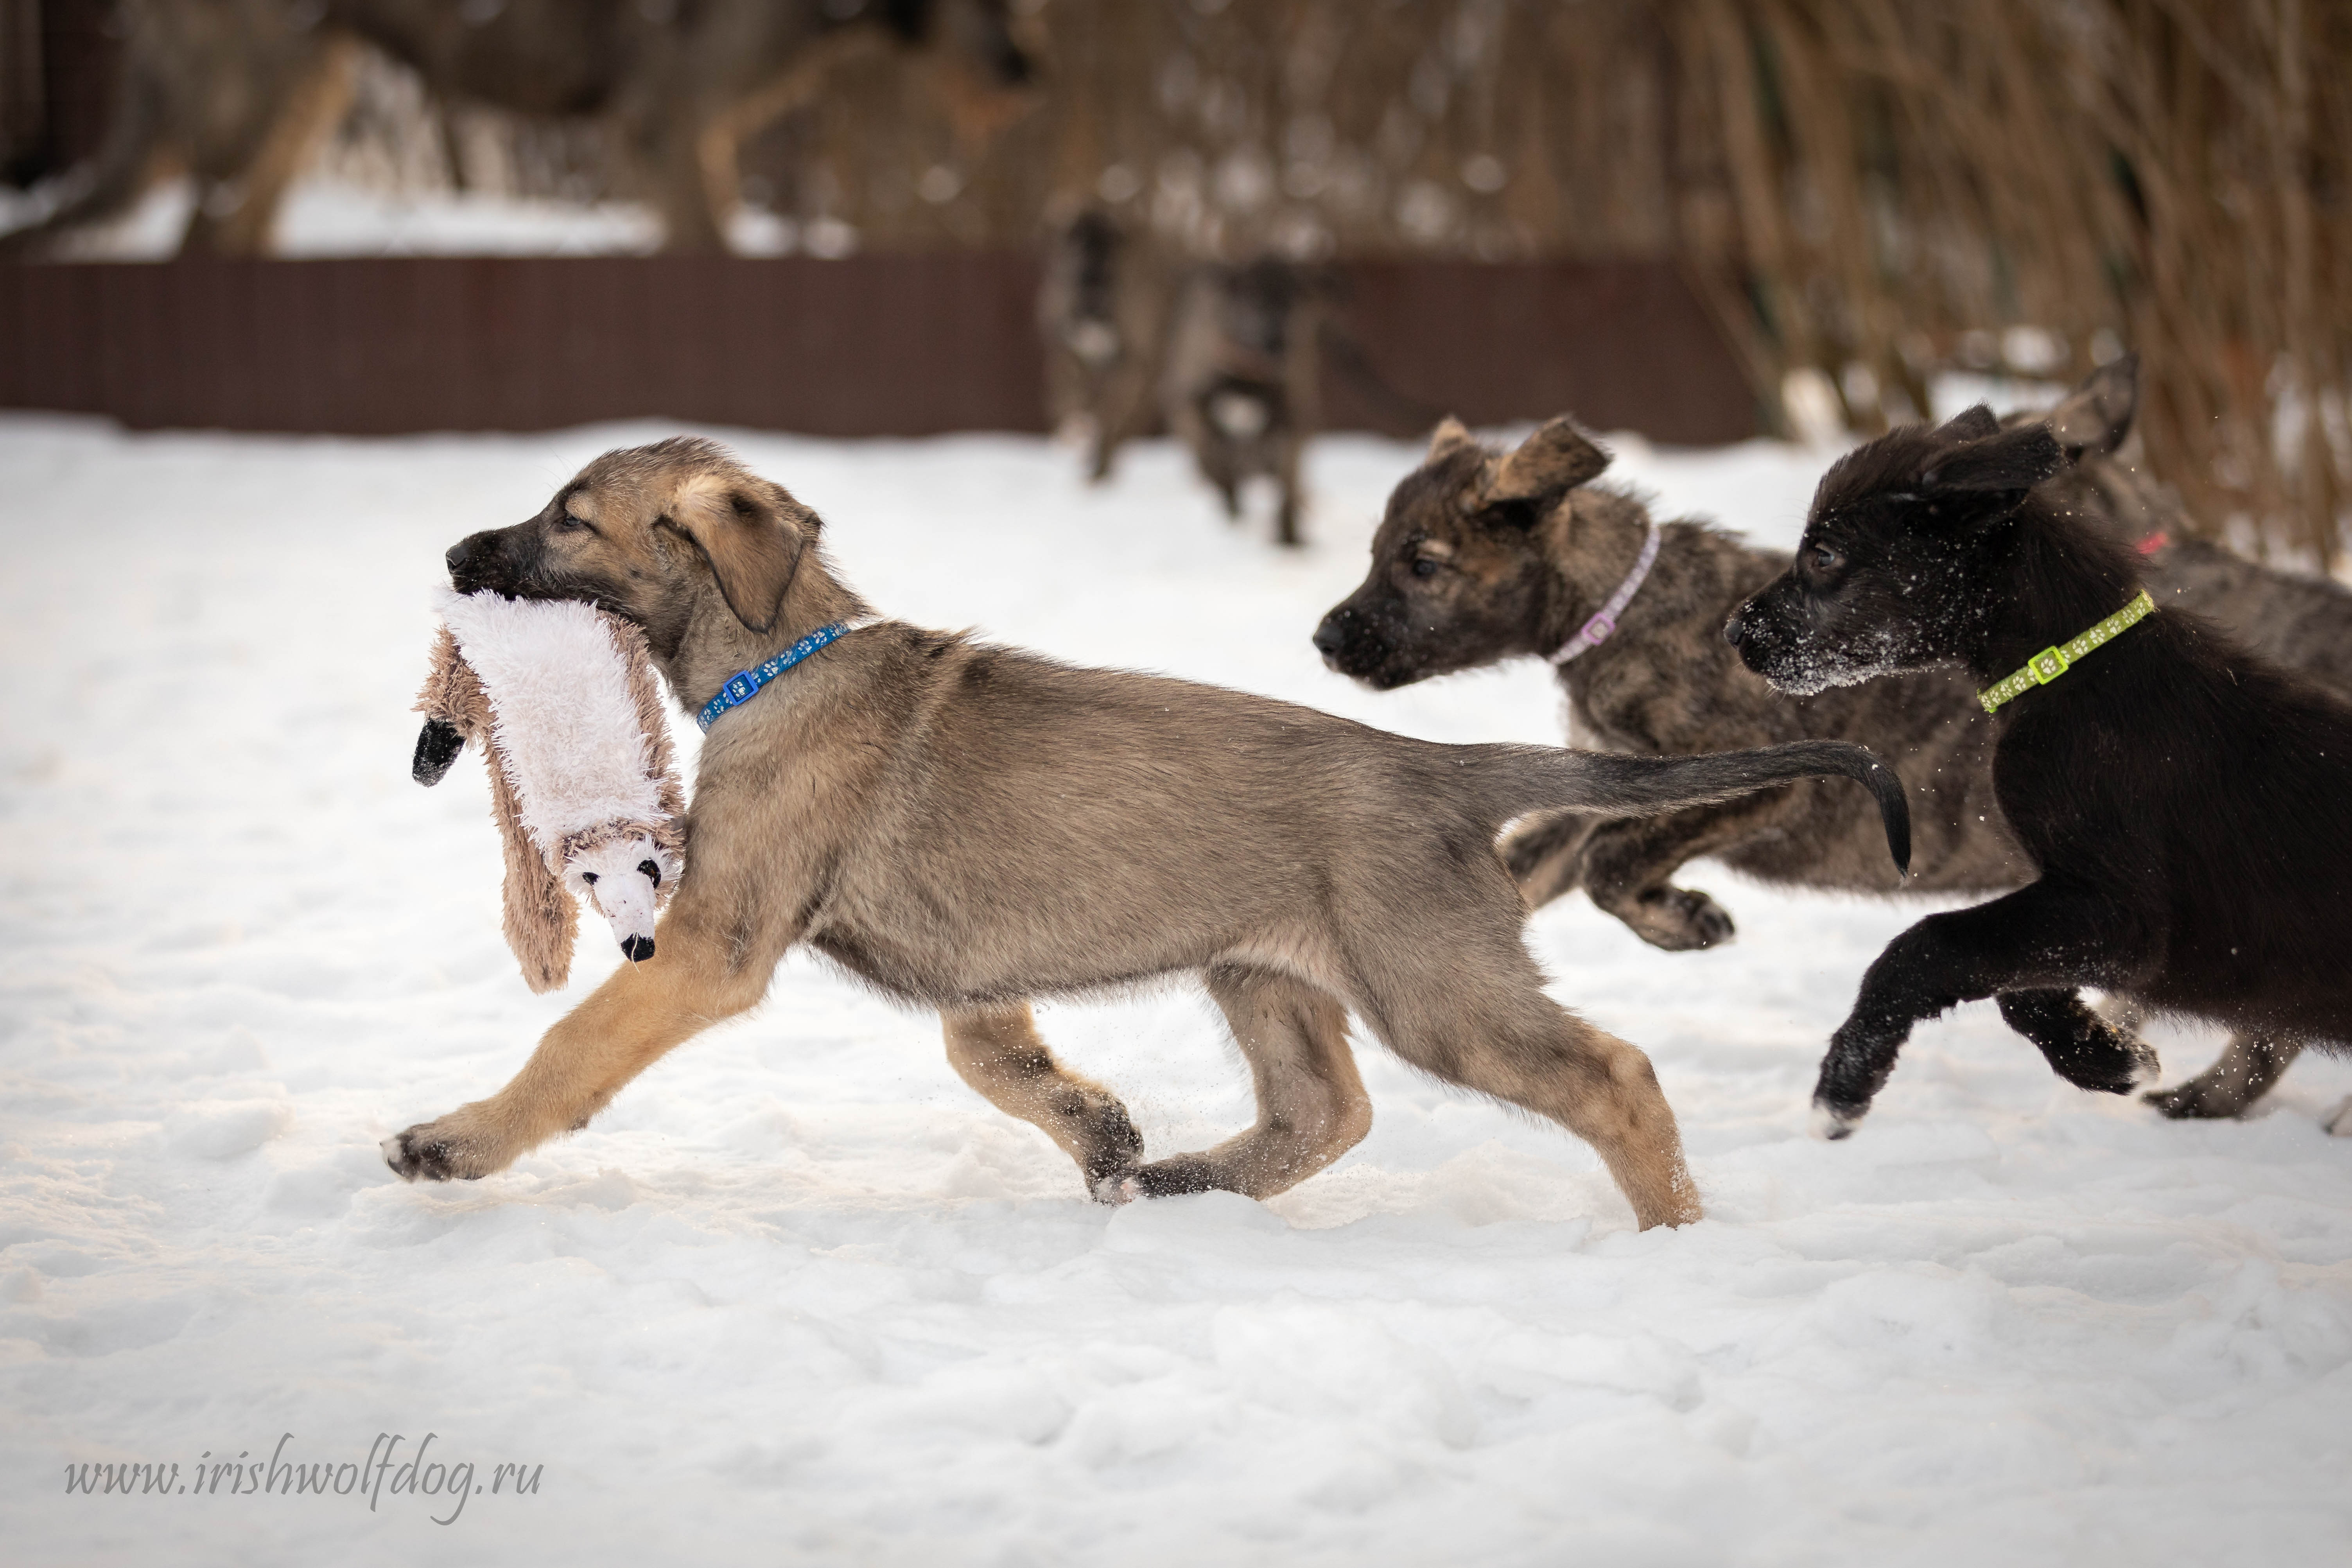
(1482, 1021)
(1311, 1105)
(2085, 1050)
(2247, 1068)
(997, 1051)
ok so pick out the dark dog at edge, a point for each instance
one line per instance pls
(1456, 583)
(2181, 801)
(964, 827)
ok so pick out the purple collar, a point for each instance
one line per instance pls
(1604, 620)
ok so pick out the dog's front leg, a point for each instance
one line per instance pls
(710, 964)
(2038, 940)
(2085, 1050)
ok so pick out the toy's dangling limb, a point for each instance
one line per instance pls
(451, 693)
(543, 923)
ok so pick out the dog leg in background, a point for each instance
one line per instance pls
(1287, 505)
(1626, 862)
(716, 960)
(2247, 1069)
(997, 1051)
(2034, 940)
(1546, 856)
(1312, 1107)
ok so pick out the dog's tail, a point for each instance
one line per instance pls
(1516, 779)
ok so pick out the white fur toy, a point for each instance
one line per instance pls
(563, 699)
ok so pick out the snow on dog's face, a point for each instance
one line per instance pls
(624, 879)
(1889, 574)
(647, 533)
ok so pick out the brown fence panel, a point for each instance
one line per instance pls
(1623, 345)
(874, 345)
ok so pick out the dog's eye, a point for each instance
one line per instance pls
(652, 870)
(589, 878)
(568, 523)
(1825, 559)
(1422, 566)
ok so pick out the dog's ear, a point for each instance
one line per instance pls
(751, 532)
(1450, 435)
(1969, 425)
(1557, 458)
(1997, 470)
(2096, 416)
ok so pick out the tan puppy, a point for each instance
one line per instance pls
(967, 827)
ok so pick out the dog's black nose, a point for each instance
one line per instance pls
(638, 947)
(1332, 635)
(1732, 630)
(455, 557)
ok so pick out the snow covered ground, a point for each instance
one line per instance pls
(800, 1296)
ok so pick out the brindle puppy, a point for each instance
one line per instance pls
(1463, 576)
(965, 826)
(1475, 563)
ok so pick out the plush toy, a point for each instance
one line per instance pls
(561, 698)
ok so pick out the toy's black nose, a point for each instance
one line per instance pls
(638, 947)
(1732, 629)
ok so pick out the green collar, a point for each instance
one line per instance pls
(2053, 662)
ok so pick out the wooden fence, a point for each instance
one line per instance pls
(873, 345)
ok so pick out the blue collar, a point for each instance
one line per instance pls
(742, 686)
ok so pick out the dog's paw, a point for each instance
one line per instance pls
(1174, 1176)
(2118, 1064)
(1834, 1119)
(2186, 1102)
(1679, 920)
(430, 1153)
(1116, 1188)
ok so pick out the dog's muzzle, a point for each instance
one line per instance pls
(1356, 645)
(481, 560)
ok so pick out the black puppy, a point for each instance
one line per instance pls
(2184, 802)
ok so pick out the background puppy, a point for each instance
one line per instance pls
(1102, 312)
(1240, 388)
(2181, 799)
(1458, 582)
(964, 827)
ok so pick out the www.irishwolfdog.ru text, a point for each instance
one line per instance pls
(387, 1472)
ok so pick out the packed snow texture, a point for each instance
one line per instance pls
(801, 1296)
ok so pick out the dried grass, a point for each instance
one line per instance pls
(1870, 189)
